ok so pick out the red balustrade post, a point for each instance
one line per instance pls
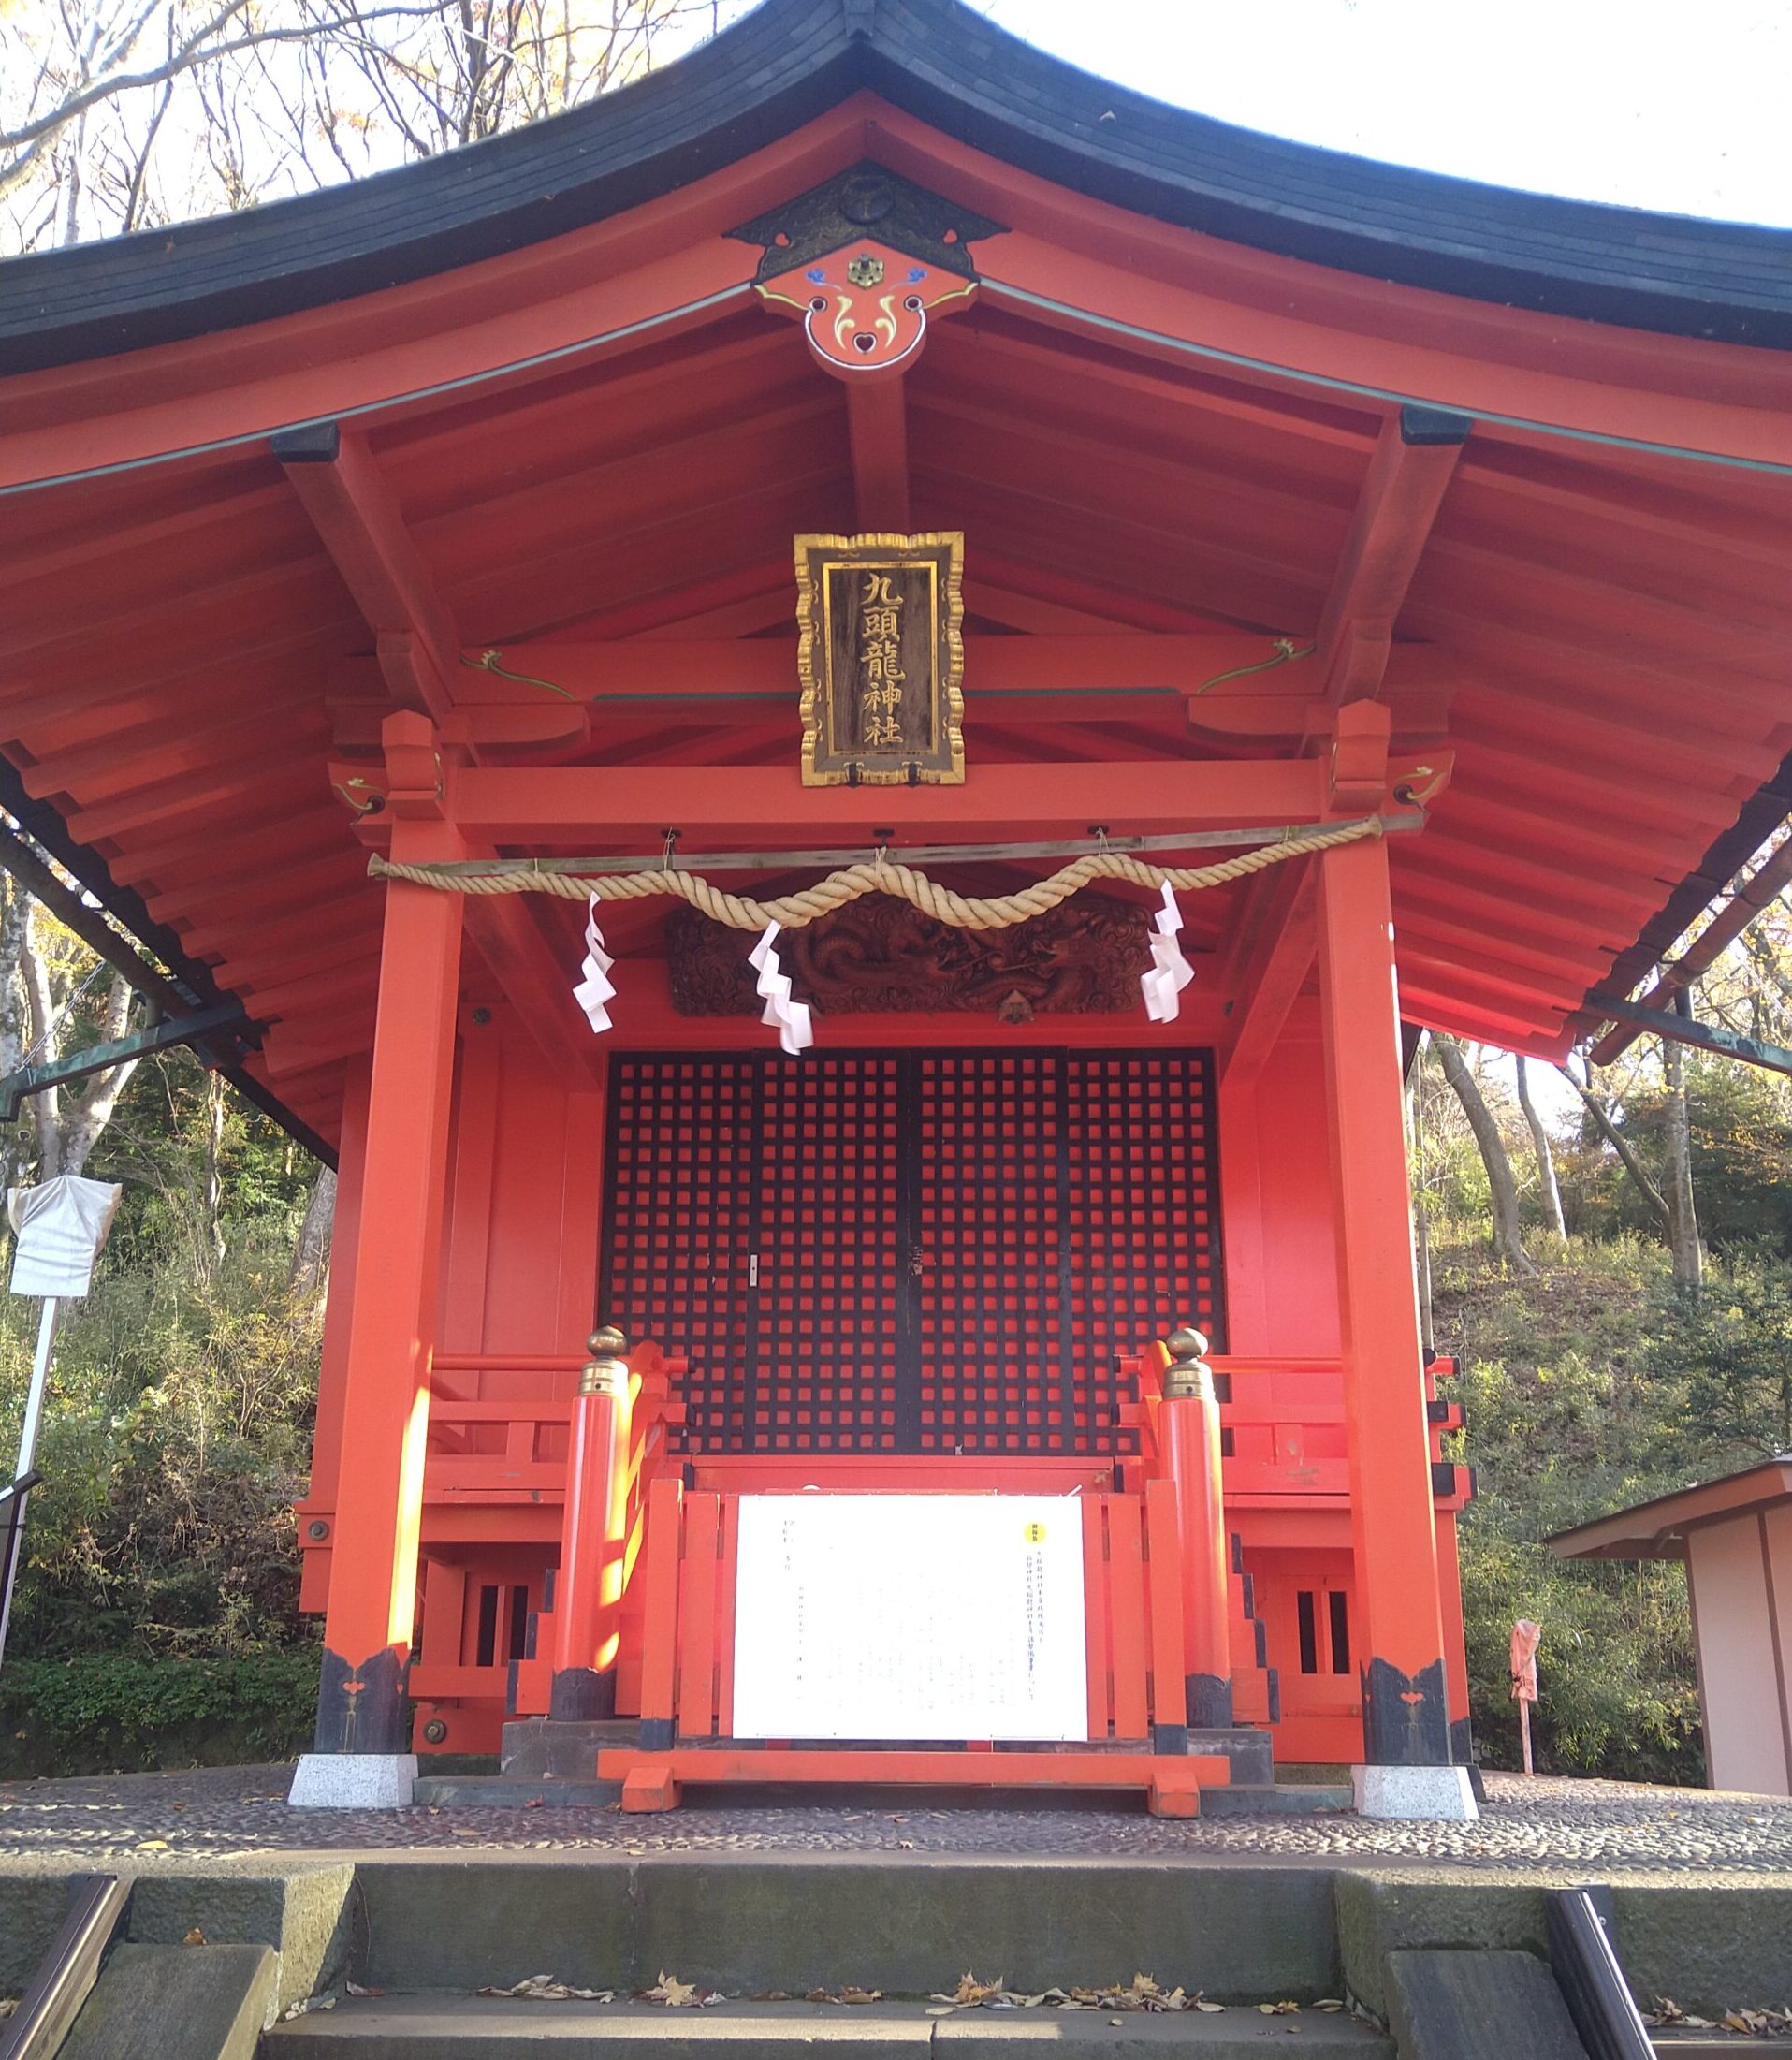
(588, 1590)
(1189, 1434)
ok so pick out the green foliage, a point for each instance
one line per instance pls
(1727, 1351)
(1573, 1408)
(159, 1597)
(101, 1712)
(1742, 1132)
(176, 1444)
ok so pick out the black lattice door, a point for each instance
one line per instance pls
(917, 1252)
(825, 1363)
(995, 1370)
(680, 1223)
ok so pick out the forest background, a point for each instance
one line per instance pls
(1609, 1263)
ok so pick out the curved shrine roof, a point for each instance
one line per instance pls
(789, 60)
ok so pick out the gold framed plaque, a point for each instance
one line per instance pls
(880, 655)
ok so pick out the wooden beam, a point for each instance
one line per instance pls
(353, 512)
(1059, 679)
(577, 807)
(1412, 464)
(538, 977)
(352, 508)
(1747, 900)
(1272, 953)
(1121, 661)
(877, 427)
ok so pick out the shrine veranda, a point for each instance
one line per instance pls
(862, 471)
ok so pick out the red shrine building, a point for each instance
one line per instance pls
(875, 478)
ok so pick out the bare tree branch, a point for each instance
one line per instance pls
(31, 139)
(1652, 1197)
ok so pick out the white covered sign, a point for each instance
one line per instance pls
(911, 1617)
(60, 1226)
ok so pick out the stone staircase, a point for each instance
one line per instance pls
(385, 1956)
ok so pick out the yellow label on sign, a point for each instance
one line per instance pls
(1035, 1534)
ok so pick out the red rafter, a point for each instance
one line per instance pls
(1414, 458)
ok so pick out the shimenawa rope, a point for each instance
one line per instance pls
(881, 875)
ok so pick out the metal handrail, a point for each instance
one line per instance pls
(1591, 1980)
(69, 1969)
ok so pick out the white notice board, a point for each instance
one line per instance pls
(909, 1617)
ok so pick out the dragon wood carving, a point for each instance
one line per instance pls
(881, 956)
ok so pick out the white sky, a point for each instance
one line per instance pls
(1680, 105)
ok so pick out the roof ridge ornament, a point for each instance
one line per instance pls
(861, 17)
(866, 199)
(864, 259)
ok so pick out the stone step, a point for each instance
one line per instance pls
(1697, 2045)
(908, 1923)
(1274, 1799)
(415, 2027)
(153, 2002)
(1457, 2003)
(534, 1747)
(509, 1791)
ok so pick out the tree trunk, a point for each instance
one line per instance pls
(1501, 1185)
(1651, 1194)
(311, 1255)
(214, 1108)
(1420, 1200)
(64, 1126)
(78, 1129)
(1545, 1157)
(1683, 1209)
(15, 1017)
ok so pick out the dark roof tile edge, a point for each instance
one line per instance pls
(789, 61)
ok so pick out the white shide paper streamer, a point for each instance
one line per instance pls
(1170, 971)
(595, 988)
(790, 1018)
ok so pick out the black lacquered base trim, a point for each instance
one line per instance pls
(582, 1695)
(656, 1735)
(1209, 1699)
(1404, 1721)
(364, 1707)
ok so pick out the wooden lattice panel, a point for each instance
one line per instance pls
(909, 1252)
(1143, 1214)
(678, 1224)
(993, 1370)
(824, 1361)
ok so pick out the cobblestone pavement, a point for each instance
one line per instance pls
(154, 1820)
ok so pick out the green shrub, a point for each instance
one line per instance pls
(1574, 1408)
(101, 1713)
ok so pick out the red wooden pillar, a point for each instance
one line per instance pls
(1188, 1429)
(362, 1706)
(588, 1590)
(1399, 1626)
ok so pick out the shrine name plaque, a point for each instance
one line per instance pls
(909, 1618)
(881, 659)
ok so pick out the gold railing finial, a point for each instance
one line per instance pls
(1187, 1373)
(607, 1371)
